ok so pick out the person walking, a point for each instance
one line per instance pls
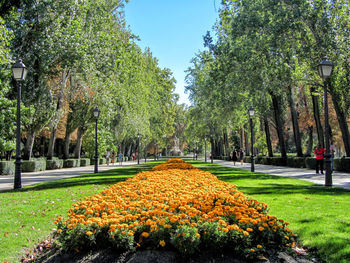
(120, 158)
(319, 152)
(108, 155)
(241, 156)
(234, 157)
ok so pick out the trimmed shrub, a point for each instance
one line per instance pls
(34, 165)
(290, 162)
(278, 161)
(266, 160)
(7, 167)
(338, 164)
(346, 165)
(84, 162)
(102, 161)
(246, 159)
(258, 159)
(53, 164)
(70, 163)
(299, 162)
(310, 162)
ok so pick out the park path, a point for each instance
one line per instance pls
(340, 179)
(7, 181)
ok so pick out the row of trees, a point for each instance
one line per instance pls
(266, 54)
(79, 55)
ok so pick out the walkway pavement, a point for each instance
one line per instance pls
(7, 181)
(340, 179)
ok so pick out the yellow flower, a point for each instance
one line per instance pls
(145, 234)
(89, 233)
(259, 246)
(59, 231)
(252, 250)
(162, 243)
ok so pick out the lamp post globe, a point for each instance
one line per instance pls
(325, 69)
(96, 113)
(251, 113)
(19, 73)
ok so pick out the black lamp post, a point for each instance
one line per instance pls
(211, 148)
(138, 148)
(205, 149)
(96, 112)
(251, 113)
(325, 69)
(19, 73)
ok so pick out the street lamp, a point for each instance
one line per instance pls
(325, 69)
(138, 148)
(19, 73)
(251, 113)
(96, 112)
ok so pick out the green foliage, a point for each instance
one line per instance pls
(55, 163)
(7, 167)
(34, 165)
(70, 163)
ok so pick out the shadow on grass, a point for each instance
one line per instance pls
(102, 178)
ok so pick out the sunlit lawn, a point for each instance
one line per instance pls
(317, 214)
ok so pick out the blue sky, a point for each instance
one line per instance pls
(173, 30)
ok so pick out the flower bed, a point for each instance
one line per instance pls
(183, 209)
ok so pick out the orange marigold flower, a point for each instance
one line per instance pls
(249, 229)
(259, 246)
(88, 233)
(261, 228)
(145, 234)
(252, 250)
(59, 231)
(162, 243)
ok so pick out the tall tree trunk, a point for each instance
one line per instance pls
(342, 120)
(66, 145)
(247, 151)
(316, 109)
(60, 98)
(279, 124)
(28, 147)
(294, 114)
(268, 136)
(77, 150)
(241, 138)
(310, 141)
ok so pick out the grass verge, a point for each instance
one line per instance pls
(318, 215)
(27, 216)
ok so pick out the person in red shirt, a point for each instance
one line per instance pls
(319, 152)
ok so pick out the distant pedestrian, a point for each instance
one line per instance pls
(241, 156)
(133, 156)
(319, 152)
(108, 155)
(120, 158)
(234, 156)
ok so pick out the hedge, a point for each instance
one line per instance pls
(84, 162)
(55, 163)
(70, 163)
(7, 167)
(34, 165)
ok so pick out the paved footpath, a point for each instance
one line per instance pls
(340, 179)
(7, 181)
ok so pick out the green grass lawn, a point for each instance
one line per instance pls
(27, 216)
(318, 215)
